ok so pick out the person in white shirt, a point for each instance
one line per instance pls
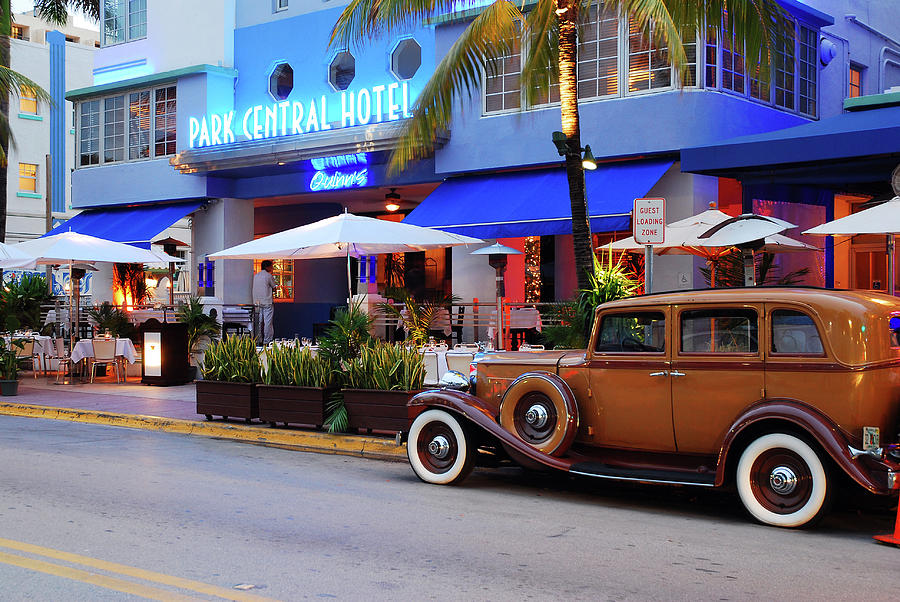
(263, 298)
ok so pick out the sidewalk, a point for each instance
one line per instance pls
(172, 409)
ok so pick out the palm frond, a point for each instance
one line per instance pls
(490, 36)
(12, 82)
(57, 11)
(541, 66)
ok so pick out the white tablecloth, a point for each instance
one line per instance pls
(63, 316)
(139, 316)
(85, 348)
(519, 318)
(42, 344)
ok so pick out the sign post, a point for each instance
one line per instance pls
(649, 223)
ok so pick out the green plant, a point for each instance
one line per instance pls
(198, 323)
(9, 350)
(610, 281)
(109, 317)
(22, 298)
(232, 360)
(346, 334)
(298, 367)
(381, 366)
(417, 317)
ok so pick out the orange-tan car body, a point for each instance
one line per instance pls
(685, 410)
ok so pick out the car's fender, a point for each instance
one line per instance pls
(831, 439)
(483, 416)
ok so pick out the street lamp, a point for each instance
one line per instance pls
(565, 147)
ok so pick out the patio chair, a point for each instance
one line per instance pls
(431, 368)
(104, 355)
(457, 327)
(62, 358)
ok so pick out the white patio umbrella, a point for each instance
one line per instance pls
(12, 257)
(345, 235)
(880, 219)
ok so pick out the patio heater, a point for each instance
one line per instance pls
(169, 248)
(497, 258)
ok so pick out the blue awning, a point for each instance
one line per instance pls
(536, 202)
(133, 225)
(825, 145)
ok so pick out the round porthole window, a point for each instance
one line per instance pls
(281, 82)
(342, 70)
(406, 58)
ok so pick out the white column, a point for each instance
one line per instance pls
(225, 223)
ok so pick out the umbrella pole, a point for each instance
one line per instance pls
(749, 268)
(890, 264)
(349, 282)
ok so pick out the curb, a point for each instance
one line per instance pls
(323, 443)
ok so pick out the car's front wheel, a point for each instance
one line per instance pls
(438, 448)
(782, 481)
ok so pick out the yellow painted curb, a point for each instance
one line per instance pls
(325, 443)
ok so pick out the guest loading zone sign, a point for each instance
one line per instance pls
(649, 219)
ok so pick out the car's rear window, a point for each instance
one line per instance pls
(894, 325)
(719, 331)
(794, 332)
(636, 332)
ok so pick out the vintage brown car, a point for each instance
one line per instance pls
(771, 391)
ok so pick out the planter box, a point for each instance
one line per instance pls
(297, 405)
(217, 398)
(9, 388)
(378, 410)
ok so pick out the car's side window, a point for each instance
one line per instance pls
(794, 332)
(894, 325)
(730, 330)
(633, 332)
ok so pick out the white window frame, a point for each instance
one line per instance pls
(33, 179)
(126, 37)
(126, 151)
(279, 5)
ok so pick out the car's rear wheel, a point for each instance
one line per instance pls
(438, 448)
(782, 481)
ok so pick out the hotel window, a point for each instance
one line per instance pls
(124, 20)
(502, 90)
(598, 53)
(690, 74)
(134, 126)
(27, 101)
(648, 64)
(164, 128)
(732, 62)
(113, 129)
(784, 71)
(19, 32)
(278, 5)
(28, 177)
(856, 80)
(712, 51)
(283, 273)
(808, 66)
(139, 125)
(89, 133)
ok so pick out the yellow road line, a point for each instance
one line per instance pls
(103, 581)
(130, 571)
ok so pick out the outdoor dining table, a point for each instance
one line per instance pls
(85, 348)
(520, 318)
(43, 345)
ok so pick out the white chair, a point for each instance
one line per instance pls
(431, 368)
(459, 362)
(104, 354)
(60, 355)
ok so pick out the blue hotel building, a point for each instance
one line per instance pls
(237, 114)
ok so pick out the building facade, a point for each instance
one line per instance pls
(240, 116)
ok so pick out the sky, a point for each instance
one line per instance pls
(19, 6)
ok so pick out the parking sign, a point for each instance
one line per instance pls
(649, 219)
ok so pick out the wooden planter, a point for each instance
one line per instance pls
(297, 405)
(372, 409)
(218, 398)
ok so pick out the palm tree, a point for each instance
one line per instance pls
(551, 28)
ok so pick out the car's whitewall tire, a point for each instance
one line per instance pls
(438, 448)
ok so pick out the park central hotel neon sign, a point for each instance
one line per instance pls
(377, 104)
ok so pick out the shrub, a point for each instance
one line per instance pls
(234, 359)
(299, 367)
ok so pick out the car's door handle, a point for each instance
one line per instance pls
(676, 373)
(663, 373)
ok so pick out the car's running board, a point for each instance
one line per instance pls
(603, 471)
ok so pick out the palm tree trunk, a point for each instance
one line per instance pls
(568, 92)
(5, 32)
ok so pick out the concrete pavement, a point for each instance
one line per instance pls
(172, 409)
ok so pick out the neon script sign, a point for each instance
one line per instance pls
(290, 118)
(339, 172)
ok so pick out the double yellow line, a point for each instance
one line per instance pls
(112, 581)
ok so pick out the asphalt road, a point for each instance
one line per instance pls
(106, 513)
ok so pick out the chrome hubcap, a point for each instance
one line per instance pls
(537, 416)
(439, 447)
(783, 480)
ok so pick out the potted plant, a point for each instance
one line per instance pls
(417, 318)
(231, 369)
(346, 334)
(9, 359)
(297, 384)
(378, 383)
(201, 329)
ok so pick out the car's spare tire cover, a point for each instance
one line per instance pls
(540, 409)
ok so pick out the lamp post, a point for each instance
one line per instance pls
(497, 258)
